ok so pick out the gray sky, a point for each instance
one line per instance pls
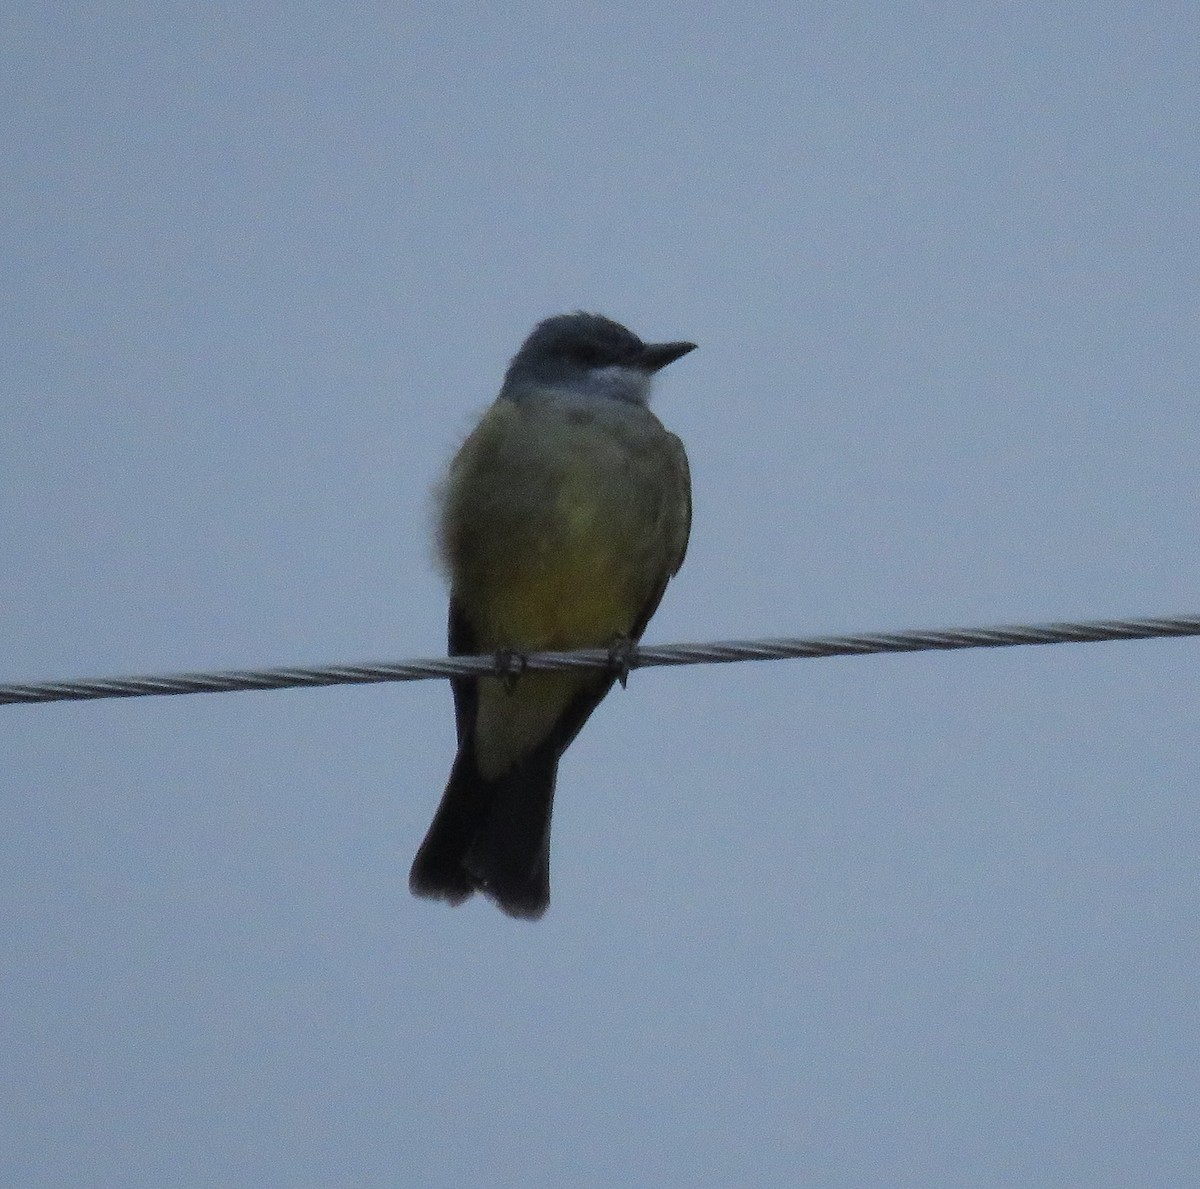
(910, 921)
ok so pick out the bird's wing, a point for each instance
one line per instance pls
(685, 494)
(681, 497)
(461, 640)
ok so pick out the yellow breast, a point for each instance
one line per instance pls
(557, 527)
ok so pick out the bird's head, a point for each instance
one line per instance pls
(591, 354)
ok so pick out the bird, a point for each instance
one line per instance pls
(564, 515)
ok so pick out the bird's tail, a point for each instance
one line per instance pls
(491, 836)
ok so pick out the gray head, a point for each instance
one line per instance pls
(592, 355)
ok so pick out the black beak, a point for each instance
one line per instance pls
(655, 356)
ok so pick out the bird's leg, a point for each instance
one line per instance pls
(509, 667)
(620, 658)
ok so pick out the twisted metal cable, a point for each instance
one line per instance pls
(621, 660)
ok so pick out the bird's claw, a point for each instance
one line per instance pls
(509, 667)
(621, 657)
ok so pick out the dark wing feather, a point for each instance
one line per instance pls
(461, 641)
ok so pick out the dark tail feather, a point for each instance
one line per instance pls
(510, 856)
(438, 871)
(492, 836)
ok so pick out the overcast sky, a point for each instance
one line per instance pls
(924, 921)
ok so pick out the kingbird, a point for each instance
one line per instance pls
(564, 515)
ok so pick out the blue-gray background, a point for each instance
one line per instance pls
(913, 921)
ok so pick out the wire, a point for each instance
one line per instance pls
(620, 660)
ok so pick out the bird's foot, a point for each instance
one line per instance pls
(509, 667)
(620, 658)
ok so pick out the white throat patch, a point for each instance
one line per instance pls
(619, 383)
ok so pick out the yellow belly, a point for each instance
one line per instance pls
(557, 532)
(553, 532)
(577, 596)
